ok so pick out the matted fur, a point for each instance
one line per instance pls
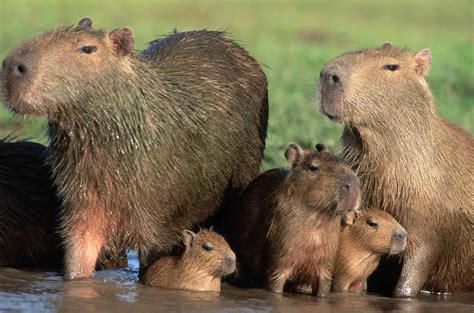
(141, 145)
(412, 163)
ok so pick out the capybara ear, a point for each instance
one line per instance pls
(423, 62)
(320, 147)
(387, 45)
(123, 40)
(85, 23)
(293, 154)
(349, 218)
(188, 238)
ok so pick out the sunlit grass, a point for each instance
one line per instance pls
(293, 39)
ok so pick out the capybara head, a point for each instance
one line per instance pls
(375, 85)
(64, 65)
(376, 232)
(319, 179)
(208, 250)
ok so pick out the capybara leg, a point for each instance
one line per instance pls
(82, 250)
(277, 280)
(321, 287)
(416, 267)
(357, 286)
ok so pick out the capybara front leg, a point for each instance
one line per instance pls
(322, 286)
(277, 280)
(416, 267)
(83, 246)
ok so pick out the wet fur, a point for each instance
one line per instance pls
(153, 144)
(287, 228)
(195, 269)
(412, 164)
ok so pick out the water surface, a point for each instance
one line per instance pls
(119, 291)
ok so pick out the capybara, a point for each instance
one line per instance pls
(413, 164)
(142, 145)
(29, 211)
(29, 208)
(361, 245)
(287, 221)
(206, 259)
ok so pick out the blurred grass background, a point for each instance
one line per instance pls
(293, 39)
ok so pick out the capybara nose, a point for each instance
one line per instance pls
(349, 183)
(230, 262)
(16, 68)
(334, 79)
(330, 77)
(400, 235)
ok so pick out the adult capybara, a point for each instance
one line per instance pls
(412, 163)
(287, 221)
(361, 245)
(142, 145)
(29, 211)
(206, 259)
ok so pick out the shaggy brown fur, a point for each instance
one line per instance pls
(206, 259)
(412, 163)
(29, 211)
(362, 244)
(142, 146)
(287, 221)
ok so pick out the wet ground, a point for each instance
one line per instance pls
(119, 291)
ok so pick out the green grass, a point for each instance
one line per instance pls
(293, 39)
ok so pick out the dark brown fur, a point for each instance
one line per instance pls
(287, 221)
(206, 259)
(362, 244)
(29, 211)
(412, 163)
(28, 208)
(142, 146)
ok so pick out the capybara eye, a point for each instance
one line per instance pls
(313, 168)
(391, 67)
(88, 49)
(372, 223)
(208, 247)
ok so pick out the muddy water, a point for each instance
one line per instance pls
(118, 291)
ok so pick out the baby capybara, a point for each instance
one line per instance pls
(206, 259)
(29, 211)
(142, 145)
(361, 245)
(287, 221)
(28, 208)
(413, 164)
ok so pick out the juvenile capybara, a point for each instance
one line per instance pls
(29, 211)
(142, 145)
(287, 221)
(206, 259)
(413, 164)
(361, 245)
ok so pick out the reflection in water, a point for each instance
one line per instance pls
(119, 291)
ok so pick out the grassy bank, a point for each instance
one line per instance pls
(293, 39)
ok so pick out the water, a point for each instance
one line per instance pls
(119, 291)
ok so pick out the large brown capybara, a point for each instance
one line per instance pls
(412, 163)
(361, 245)
(29, 211)
(142, 145)
(287, 221)
(206, 259)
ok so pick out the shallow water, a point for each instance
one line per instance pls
(119, 291)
